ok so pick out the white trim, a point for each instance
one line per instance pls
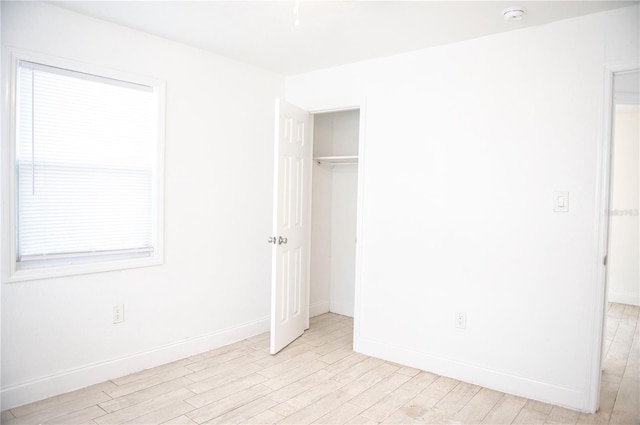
(83, 67)
(357, 298)
(488, 378)
(332, 110)
(4, 102)
(73, 379)
(25, 274)
(311, 122)
(603, 173)
(7, 147)
(316, 309)
(66, 71)
(11, 272)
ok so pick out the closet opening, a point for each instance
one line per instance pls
(334, 206)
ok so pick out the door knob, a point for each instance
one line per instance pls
(281, 240)
(272, 239)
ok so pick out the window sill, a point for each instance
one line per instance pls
(21, 273)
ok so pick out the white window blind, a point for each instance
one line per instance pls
(85, 165)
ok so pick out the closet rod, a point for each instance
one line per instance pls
(336, 160)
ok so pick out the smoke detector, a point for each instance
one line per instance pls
(513, 13)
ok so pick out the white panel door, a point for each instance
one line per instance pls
(291, 226)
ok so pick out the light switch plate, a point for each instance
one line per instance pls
(118, 313)
(561, 201)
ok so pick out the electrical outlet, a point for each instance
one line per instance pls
(118, 313)
(461, 320)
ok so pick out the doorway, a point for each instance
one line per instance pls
(618, 254)
(618, 379)
(334, 212)
(623, 272)
(336, 223)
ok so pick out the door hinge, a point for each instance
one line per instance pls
(604, 261)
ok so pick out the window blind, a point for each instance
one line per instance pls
(85, 164)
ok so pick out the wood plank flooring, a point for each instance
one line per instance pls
(319, 379)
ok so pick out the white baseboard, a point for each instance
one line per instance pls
(488, 378)
(343, 309)
(317, 309)
(624, 298)
(70, 380)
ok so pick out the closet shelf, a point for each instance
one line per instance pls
(336, 160)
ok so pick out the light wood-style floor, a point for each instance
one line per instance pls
(319, 379)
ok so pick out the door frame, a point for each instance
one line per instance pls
(362, 107)
(603, 199)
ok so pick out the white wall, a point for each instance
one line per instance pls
(343, 241)
(321, 214)
(57, 333)
(343, 222)
(465, 145)
(623, 272)
(334, 206)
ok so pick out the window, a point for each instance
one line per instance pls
(87, 158)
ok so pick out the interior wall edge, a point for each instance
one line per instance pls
(70, 380)
(492, 379)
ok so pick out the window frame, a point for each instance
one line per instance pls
(12, 271)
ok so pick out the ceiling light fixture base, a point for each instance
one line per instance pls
(513, 13)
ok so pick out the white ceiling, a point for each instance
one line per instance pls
(263, 33)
